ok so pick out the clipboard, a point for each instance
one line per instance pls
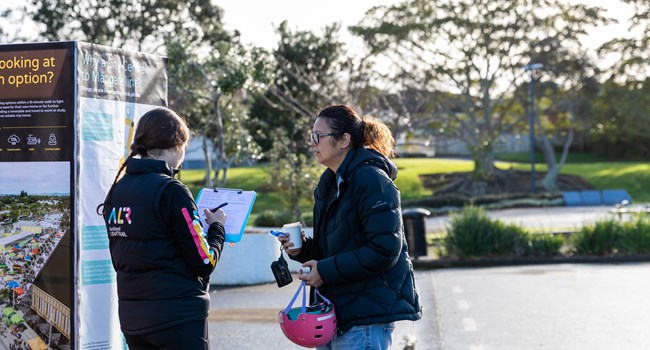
(238, 210)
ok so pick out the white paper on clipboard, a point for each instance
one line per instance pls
(240, 204)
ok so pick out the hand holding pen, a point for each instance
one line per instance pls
(219, 207)
(215, 214)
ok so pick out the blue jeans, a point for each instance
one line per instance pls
(372, 337)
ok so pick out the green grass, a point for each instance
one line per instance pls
(631, 176)
(246, 178)
(409, 169)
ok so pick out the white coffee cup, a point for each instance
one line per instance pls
(294, 230)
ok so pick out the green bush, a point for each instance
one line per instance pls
(634, 237)
(307, 219)
(599, 239)
(543, 245)
(473, 234)
(272, 218)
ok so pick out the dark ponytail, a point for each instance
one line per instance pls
(159, 129)
(369, 131)
(377, 136)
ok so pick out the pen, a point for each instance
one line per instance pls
(219, 207)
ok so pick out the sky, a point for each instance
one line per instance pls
(35, 177)
(256, 19)
(256, 27)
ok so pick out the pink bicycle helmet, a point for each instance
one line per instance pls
(310, 326)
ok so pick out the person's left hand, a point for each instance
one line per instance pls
(313, 277)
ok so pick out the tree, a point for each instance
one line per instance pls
(632, 52)
(211, 90)
(619, 125)
(207, 65)
(142, 25)
(303, 74)
(620, 121)
(472, 51)
(571, 82)
(14, 25)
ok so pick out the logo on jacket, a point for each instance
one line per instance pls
(119, 215)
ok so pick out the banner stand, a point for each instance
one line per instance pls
(67, 116)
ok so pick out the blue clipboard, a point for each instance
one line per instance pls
(238, 209)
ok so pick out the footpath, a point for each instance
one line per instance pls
(245, 317)
(548, 220)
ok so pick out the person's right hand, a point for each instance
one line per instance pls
(218, 216)
(284, 240)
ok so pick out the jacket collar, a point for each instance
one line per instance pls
(354, 159)
(142, 166)
(364, 156)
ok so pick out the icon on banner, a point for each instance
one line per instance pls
(33, 140)
(13, 139)
(52, 140)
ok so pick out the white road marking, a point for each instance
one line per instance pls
(462, 304)
(469, 324)
(456, 289)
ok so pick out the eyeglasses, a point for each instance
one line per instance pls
(315, 138)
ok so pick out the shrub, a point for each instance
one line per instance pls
(272, 218)
(543, 245)
(634, 237)
(599, 239)
(473, 234)
(307, 219)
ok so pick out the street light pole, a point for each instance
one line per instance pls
(531, 68)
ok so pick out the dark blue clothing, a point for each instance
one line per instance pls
(193, 335)
(162, 258)
(360, 245)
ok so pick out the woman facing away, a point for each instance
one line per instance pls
(358, 255)
(162, 258)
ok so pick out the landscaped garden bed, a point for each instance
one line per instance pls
(475, 239)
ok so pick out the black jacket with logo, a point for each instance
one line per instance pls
(360, 245)
(162, 258)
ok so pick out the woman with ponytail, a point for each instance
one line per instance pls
(358, 254)
(161, 256)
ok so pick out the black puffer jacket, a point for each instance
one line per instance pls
(162, 258)
(360, 245)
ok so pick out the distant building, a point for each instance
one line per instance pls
(8, 242)
(442, 146)
(506, 143)
(194, 155)
(27, 226)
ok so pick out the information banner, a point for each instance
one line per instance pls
(115, 88)
(37, 99)
(67, 116)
